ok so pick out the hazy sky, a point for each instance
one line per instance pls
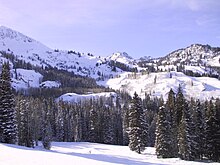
(101, 27)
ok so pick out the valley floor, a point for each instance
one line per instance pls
(83, 153)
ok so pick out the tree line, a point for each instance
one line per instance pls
(189, 130)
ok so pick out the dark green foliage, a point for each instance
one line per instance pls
(93, 126)
(172, 118)
(8, 123)
(46, 127)
(25, 131)
(185, 135)
(138, 130)
(213, 132)
(180, 102)
(163, 135)
(199, 130)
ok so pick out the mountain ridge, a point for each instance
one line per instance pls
(195, 60)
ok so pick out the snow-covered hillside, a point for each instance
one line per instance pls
(196, 54)
(115, 71)
(83, 153)
(159, 84)
(29, 50)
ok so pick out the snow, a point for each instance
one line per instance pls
(50, 84)
(121, 57)
(26, 79)
(198, 87)
(29, 50)
(74, 98)
(83, 153)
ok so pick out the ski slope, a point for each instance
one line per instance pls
(83, 153)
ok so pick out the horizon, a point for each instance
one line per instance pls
(138, 28)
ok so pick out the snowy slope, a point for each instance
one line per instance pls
(83, 153)
(26, 79)
(29, 50)
(194, 54)
(159, 84)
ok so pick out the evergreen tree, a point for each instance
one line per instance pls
(163, 135)
(172, 118)
(46, 130)
(125, 124)
(185, 135)
(179, 106)
(199, 131)
(93, 126)
(8, 123)
(213, 132)
(60, 123)
(137, 126)
(25, 132)
(108, 132)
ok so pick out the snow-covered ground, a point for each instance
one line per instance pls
(84, 153)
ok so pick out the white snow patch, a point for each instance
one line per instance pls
(50, 84)
(26, 79)
(74, 98)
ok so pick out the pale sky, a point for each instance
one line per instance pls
(102, 27)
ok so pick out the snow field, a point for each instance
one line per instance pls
(70, 153)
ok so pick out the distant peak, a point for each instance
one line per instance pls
(121, 55)
(6, 32)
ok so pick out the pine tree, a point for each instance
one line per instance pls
(8, 123)
(213, 132)
(163, 135)
(108, 132)
(185, 135)
(93, 126)
(137, 126)
(46, 130)
(179, 106)
(25, 132)
(199, 131)
(125, 124)
(172, 118)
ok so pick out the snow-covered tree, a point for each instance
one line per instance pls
(8, 123)
(172, 118)
(93, 125)
(46, 129)
(213, 132)
(163, 135)
(186, 141)
(138, 130)
(25, 131)
(199, 130)
(108, 131)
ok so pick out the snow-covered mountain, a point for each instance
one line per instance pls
(196, 54)
(29, 50)
(119, 70)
